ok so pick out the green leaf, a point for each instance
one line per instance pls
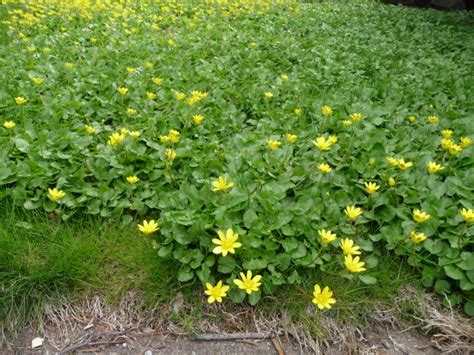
(469, 308)
(367, 279)
(442, 286)
(165, 250)
(185, 274)
(254, 297)
(453, 272)
(249, 217)
(226, 264)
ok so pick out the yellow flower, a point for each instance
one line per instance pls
(148, 227)
(69, 65)
(9, 124)
(37, 81)
(131, 111)
(20, 100)
(326, 110)
(89, 129)
(446, 143)
(447, 133)
(115, 138)
(132, 179)
(322, 144)
(291, 138)
(392, 161)
(31, 49)
(55, 194)
(420, 216)
(216, 293)
(391, 182)
(197, 119)
(433, 167)
(150, 95)
(455, 149)
(134, 134)
(268, 95)
(273, 144)
(253, 44)
(465, 142)
(221, 184)
(356, 117)
(248, 283)
(180, 96)
(122, 91)
(354, 264)
(346, 123)
(353, 212)
(174, 136)
(131, 70)
(227, 243)
(412, 118)
(332, 139)
(371, 161)
(198, 95)
(324, 168)
(164, 139)
(157, 80)
(417, 237)
(171, 42)
(284, 77)
(403, 165)
(433, 119)
(348, 247)
(191, 101)
(124, 130)
(149, 65)
(468, 215)
(298, 112)
(371, 187)
(323, 299)
(326, 236)
(170, 154)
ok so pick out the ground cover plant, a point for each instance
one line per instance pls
(247, 144)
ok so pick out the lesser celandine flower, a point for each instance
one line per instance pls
(148, 227)
(134, 134)
(322, 143)
(149, 65)
(174, 135)
(404, 165)
(221, 184)
(150, 95)
(468, 215)
(433, 119)
(55, 194)
(131, 111)
(124, 130)
(420, 216)
(164, 139)
(248, 283)
(455, 149)
(157, 80)
(392, 161)
(348, 247)
(326, 110)
(356, 117)
(447, 133)
(326, 236)
(131, 70)
(272, 144)
(197, 119)
(412, 118)
(417, 237)
(324, 168)
(391, 182)
(115, 138)
(89, 129)
(353, 212)
(227, 243)
(132, 179)
(298, 112)
(291, 138)
(20, 100)
(284, 77)
(122, 91)
(171, 42)
(268, 95)
(37, 81)
(446, 143)
(9, 124)
(180, 96)
(170, 154)
(465, 142)
(332, 139)
(216, 293)
(371, 187)
(354, 264)
(434, 167)
(346, 123)
(323, 299)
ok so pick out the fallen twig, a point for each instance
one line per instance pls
(225, 337)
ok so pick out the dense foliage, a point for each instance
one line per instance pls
(268, 118)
